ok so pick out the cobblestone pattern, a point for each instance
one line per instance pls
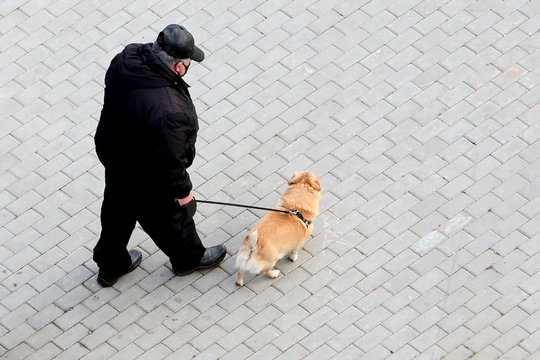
(421, 117)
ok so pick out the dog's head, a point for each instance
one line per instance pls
(306, 178)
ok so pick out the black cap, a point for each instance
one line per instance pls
(179, 43)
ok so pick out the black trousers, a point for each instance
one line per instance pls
(170, 226)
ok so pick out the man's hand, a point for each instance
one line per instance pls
(187, 199)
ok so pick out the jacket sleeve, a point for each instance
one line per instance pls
(178, 151)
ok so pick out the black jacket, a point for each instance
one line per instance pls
(148, 126)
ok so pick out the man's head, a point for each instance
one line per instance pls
(176, 47)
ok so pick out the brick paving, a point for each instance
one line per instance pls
(422, 118)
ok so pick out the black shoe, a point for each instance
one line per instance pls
(104, 279)
(212, 257)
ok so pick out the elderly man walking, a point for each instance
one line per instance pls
(145, 139)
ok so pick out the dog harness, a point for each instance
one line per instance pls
(301, 217)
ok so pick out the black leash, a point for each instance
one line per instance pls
(245, 206)
(291, 212)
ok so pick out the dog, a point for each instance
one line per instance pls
(278, 233)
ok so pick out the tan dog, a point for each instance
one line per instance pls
(278, 234)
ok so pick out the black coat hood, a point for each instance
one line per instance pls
(138, 67)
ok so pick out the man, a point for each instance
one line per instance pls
(146, 140)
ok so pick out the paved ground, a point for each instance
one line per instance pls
(421, 117)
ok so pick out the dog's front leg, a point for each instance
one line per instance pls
(293, 256)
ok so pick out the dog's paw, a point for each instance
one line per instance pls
(293, 256)
(274, 273)
(240, 279)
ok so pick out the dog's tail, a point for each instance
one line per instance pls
(245, 257)
(245, 251)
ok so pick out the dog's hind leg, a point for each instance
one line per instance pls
(240, 278)
(272, 273)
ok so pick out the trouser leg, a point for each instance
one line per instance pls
(118, 219)
(173, 230)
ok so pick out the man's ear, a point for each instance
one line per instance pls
(177, 67)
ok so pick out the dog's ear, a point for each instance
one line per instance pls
(295, 178)
(314, 183)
